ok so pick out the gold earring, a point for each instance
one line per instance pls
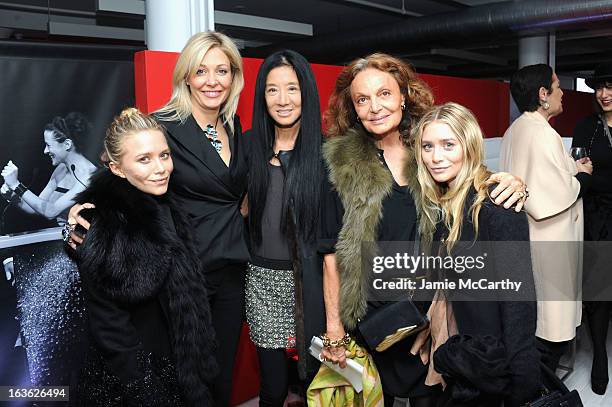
(546, 105)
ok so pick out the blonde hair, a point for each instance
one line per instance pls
(179, 106)
(441, 202)
(341, 115)
(129, 121)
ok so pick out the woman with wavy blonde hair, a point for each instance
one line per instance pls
(445, 201)
(180, 105)
(490, 357)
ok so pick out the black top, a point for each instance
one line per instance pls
(402, 374)
(589, 133)
(210, 192)
(274, 245)
(398, 221)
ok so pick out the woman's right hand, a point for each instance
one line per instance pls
(74, 218)
(336, 355)
(584, 165)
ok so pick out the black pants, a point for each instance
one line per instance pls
(274, 377)
(551, 352)
(226, 296)
(598, 317)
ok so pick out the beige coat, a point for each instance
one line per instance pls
(533, 150)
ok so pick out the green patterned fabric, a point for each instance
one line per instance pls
(330, 389)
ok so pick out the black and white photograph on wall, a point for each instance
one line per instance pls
(54, 114)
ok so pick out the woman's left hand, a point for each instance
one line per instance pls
(10, 174)
(510, 190)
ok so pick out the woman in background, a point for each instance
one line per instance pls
(534, 151)
(71, 174)
(284, 292)
(455, 208)
(149, 318)
(594, 134)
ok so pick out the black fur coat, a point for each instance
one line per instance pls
(141, 277)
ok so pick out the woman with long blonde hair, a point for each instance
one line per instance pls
(486, 353)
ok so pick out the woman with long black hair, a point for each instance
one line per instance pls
(284, 303)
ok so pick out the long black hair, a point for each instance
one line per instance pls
(301, 193)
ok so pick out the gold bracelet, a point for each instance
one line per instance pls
(342, 342)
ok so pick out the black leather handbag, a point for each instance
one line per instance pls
(558, 399)
(555, 393)
(389, 324)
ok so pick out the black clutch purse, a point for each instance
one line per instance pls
(387, 325)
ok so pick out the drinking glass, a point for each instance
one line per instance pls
(578, 152)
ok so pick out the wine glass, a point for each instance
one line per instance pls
(578, 152)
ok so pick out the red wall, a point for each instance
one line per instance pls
(576, 105)
(489, 100)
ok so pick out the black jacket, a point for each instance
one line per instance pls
(148, 311)
(209, 192)
(508, 325)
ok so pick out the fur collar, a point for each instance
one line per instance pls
(124, 212)
(362, 182)
(139, 245)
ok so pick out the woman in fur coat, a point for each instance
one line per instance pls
(371, 198)
(149, 317)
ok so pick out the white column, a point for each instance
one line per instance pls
(537, 50)
(169, 24)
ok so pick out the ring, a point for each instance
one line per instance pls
(66, 231)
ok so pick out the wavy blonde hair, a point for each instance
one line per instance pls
(179, 107)
(440, 202)
(341, 115)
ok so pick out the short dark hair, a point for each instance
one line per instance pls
(526, 83)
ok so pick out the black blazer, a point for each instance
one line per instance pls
(511, 322)
(209, 192)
